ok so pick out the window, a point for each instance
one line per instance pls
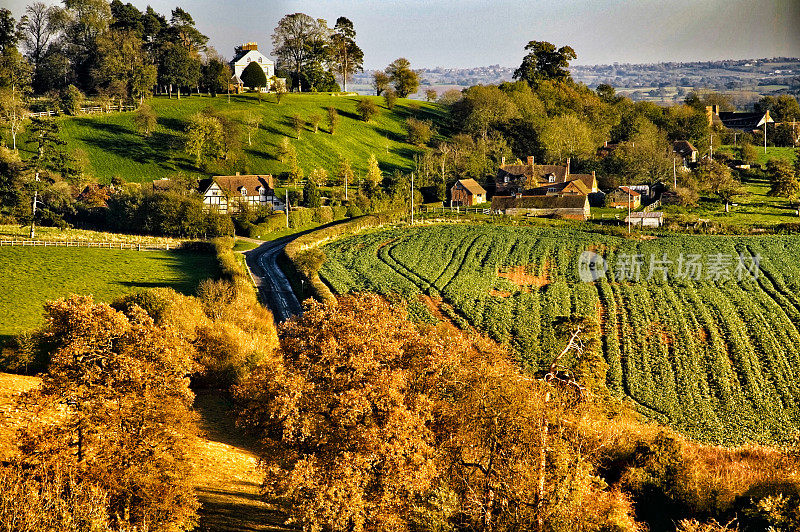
(552, 189)
(551, 178)
(244, 191)
(259, 59)
(505, 179)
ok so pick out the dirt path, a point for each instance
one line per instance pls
(229, 481)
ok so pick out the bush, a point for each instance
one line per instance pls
(390, 97)
(71, 100)
(366, 109)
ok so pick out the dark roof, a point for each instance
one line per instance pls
(630, 191)
(748, 121)
(232, 184)
(559, 187)
(500, 203)
(683, 148)
(471, 186)
(531, 172)
(160, 185)
(587, 179)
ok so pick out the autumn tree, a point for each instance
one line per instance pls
(344, 419)
(545, 62)
(314, 119)
(405, 80)
(115, 403)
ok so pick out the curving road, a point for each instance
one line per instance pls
(274, 288)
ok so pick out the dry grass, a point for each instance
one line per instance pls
(520, 276)
(229, 478)
(10, 387)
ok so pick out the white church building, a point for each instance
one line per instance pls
(249, 54)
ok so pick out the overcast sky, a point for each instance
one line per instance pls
(467, 33)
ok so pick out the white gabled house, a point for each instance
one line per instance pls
(226, 193)
(248, 55)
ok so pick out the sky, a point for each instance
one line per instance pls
(470, 33)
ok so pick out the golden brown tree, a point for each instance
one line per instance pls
(345, 416)
(115, 404)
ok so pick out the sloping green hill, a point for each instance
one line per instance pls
(109, 146)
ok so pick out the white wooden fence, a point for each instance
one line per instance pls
(88, 244)
(87, 110)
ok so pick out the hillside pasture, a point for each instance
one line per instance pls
(715, 356)
(33, 275)
(107, 145)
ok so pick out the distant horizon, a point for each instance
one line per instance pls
(463, 34)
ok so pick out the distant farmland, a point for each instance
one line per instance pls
(715, 357)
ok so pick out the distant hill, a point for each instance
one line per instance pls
(653, 81)
(108, 145)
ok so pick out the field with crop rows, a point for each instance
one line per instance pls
(713, 350)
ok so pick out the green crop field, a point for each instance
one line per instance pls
(714, 352)
(108, 145)
(33, 275)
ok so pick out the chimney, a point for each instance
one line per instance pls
(502, 161)
(605, 144)
(518, 195)
(710, 114)
(593, 174)
(567, 166)
(237, 173)
(530, 160)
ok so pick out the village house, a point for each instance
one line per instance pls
(249, 54)
(569, 188)
(735, 120)
(624, 197)
(226, 193)
(466, 193)
(570, 207)
(686, 151)
(515, 178)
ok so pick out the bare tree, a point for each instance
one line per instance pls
(42, 23)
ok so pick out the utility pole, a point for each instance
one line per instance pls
(412, 198)
(35, 201)
(629, 209)
(674, 174)
(345, 186)
(286, 207)
(711, 147)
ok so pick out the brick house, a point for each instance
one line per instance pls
(623, 197)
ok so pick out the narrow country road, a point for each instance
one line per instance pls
(273, 286)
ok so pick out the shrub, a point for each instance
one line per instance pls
(366, 109)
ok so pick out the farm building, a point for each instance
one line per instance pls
(514, 178)
(467, 192)
(568, 188)
(686, 151)
(248, 54)
(571, 207)
(226, 193)
(735, 120)
(646, 219)
(624, 197)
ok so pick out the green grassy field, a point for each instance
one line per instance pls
(109, 146)
(33, 275)
(714, 355)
